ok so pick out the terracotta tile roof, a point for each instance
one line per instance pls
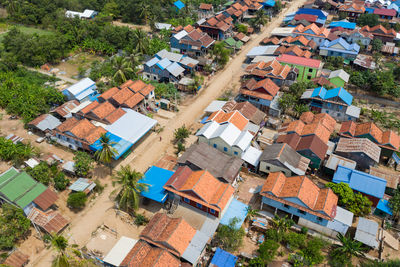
(122, 95)
(95, 135)
(67, 125)
(201, 187)
(291, 139)
(271, 40)
(391, 138)
(294, 49)
(322, 81)
(319, 202)
(307, 117)
(379, 30)
(188, 28)
(212, 21)
(135, 86)
(317, 129)
(115, 115)
(230, 10)
(109, 93)
(16, 259)
(145, 255)
(205, 6)
(251, 112)
(255, 94)
(90, 107)
(371, 129)
(358, 145)
(307, 17)
(271, 69)
(165, 232)
(237, 6)
(296, 127)
(46, 199)
(348, 127)
(392, 177)
(314, 144)
(234, 117)
(82, 129)
(223, 26)
(352, 8)
(103, 110)
(133, 100)
(301, 39)
(317, 31)
(263, 86)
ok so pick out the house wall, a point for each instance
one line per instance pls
(363, 161)
(305, 73)
(202, 208)
(222, 146)
(318, 228)
(315, 161)
(356, 38)
(330, 53)
(261, 104)
(294, 211)
(268, 168)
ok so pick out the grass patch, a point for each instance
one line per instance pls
(31, 30)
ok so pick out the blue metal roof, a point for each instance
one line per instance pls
(223, 258)
(156, 178)
(121, 145)
(393, 6)
(179, 4)
(360, 181)
(343, 24)
(350, 48)
(236, 209)
(163, 63)
(369, 10)
(269, 3)
(319, 92)
(383, 205)
(341, 93)
(310, 11)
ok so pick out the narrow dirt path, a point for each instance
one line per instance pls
(151, 149)
(61, 77)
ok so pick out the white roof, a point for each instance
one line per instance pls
(69, 166)
(180, 34)
(366, 232)
(344, 216)
(208, 129)
(282, 31)
(175, 69)
(263, 59)
(188, 60)
(252, 156)
(152, 62)
(81, 106)
(118, 253)
(214, 106)
(80, 86)
(32, 162)
(341, 74)
(307, 94)
(227, 132)
(163, 26)
(244, 140)
(49, 122)
(186, 81)
(264, 50)
(196, 247)
(163, 63)
(353, 111)
(131, 126)
(87, 13)
(334, 161)
(174, 57)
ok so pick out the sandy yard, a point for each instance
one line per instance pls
(70, 68)
(151, 149)
(119, 23)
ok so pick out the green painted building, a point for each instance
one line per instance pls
(308, 68)
(339, 78)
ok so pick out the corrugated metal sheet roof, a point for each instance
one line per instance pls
(196, 246)
(334, 161)
(119, 251)
(156, 178)
(223, 258)
(236, 209)
(366, 232)
(80, 185)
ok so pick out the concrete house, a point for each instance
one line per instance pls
(280, 74)
(336, 102)
(299, 197)
(371, 186)
(339, 48)
(190, 41)
(200, 190)
(300, 41)
(81, 90)
(86, 14)
(259, 93)
(381, 32)
(219, 27)
(312, 32)
(307, 68)
(356, 36)
(352, 10)
(283, 158)
(163, 70)
(385, 13)
(361, 150)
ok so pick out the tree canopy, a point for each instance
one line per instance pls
(13, 226)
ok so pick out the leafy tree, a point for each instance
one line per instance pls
(179, 148)
(41, 173)
(106, 152)
(251, 213)
(128, 196)
(278, 6)
(181, 134)
(294, 240)
(83, 163)
(260, 20)
(357, 203)
(77, 200)
(342, 254)
(60, 182)
(298, 88)
(242, 28)
(267, 251)
(368, 19)
(394, 203)
(140, 220)
(221, 53)
(300, 109)
(282, 225)
(13, 226)
(230, 237)
(286, 102)
(111, 8)
(166, 90)
(376, 44)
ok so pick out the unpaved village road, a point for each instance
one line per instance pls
(150, 150)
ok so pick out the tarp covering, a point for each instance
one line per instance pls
(223, 258)
(236, 209)
(383, 205)
(156, 178)
(119, 144)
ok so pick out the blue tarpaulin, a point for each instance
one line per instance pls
(269, 3)
(203, 121)
(383, 205)
(236, 209)
(179, 5)
(223, 258)
(155, 178)
(121, 145)
(343, 24)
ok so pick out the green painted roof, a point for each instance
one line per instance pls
(239, 44)
(230, 41)
(7, 175)
(229, 3)
(20, 188)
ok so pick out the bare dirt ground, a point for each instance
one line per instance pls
(119, 23)
(152, 149)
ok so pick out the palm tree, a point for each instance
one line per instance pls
(349, 247)
(60, 245)
(128, 196)
(135, 58)
(260, 20)
(106, 152)
(140, 41)
(123, 68)
(181, 134)
(378, 116)
(145, 11)
(300, 109)
(282, 224)
(251, 213)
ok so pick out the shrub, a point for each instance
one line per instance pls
(60, 182)
(13, 226)
(83, 163)
(294, 240)
(77, 200)
(141, 220)
(273, 234)
(268, 251)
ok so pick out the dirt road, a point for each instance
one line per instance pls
(61, 77)
(151, 149)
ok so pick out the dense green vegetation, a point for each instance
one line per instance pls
(49, 174)
(83, 164)
(77, 200)
(22, 93)
(16, 153)
(13, 226)
(229, 237)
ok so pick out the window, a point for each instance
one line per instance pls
(340, 107)
(212, 211)
(215, 145)
(338, 114)
(327, 111)
(225, 149)
(310, 70)
(286, 206)
(302, 212)
(199, 205)
(319, 219)
(329, 105)
(268, 168)
(236, 153)
(186, 200)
